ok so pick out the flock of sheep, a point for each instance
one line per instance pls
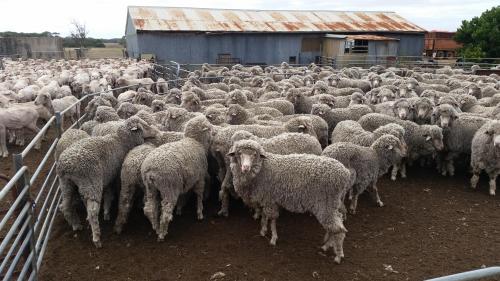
(295, 138)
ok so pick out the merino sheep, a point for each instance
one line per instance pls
(485, 153)
(89, 166)
(174, 169)
(369, 163)
(298, 183)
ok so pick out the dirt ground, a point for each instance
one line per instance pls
(430, 226)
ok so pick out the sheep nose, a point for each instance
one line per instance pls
(245, 168)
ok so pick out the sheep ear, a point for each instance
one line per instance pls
(133, 128)
(428, 138)
(231, 152)
(390, 147)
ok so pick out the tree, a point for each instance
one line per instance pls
(79, 33)
(480, 36)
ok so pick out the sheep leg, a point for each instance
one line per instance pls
(151, 207)
(403, 170)
(375, 195)
(354, 203)
(35, 130)
(223, 194)
(199, 190)
(12, 136)
(93, 207)
(125, 203)
(3, 144)
(272, 212)
(257, 213)
(338, 246)
(475, 177)
(167, 209)
(181, 202)
(67, 205)
(263, 225)
(107, 200)
(394, 173)
(493, 183)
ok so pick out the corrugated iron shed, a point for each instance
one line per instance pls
(221, 20)
(371, 37)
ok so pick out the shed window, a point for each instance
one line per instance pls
(292, 60)
(356, 47)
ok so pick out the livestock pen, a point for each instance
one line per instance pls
(430, 226)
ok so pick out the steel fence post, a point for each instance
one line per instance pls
(58, 124)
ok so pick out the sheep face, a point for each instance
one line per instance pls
(447, 114)
(236, 97)
(433, 136)
(126, 110)
(234, 114)
(402, 109)
(248, 156)
(423, 108)
(174, 97)
(474, 91)
(158, 105)
(357, 98)
(493, 132)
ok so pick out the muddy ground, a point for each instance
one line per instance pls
(430, 226)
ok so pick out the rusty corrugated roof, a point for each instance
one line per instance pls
(371, 37)
(222, 20)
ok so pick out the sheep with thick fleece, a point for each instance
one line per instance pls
(301, 102)
(369, 163)
(68, 138)
(89, 166)
(127, 109)
(286, 143)
(485, 154)
(334, 116)
(222, 143)
(458, 132)
(339, 82)
(421, 140)
(320, 126)
(298, 183)
(351, 131)
(174, 169)
(178, 118)
(238, 97)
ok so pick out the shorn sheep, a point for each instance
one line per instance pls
(298, 183)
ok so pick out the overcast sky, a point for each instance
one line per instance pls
(106, 18)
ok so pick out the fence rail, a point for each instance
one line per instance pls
(27, 224)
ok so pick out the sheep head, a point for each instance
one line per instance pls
(247, 155)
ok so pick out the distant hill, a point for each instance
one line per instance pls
(68, 42)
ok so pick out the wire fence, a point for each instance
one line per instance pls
(27, 224)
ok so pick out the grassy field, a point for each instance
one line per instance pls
(113, 51)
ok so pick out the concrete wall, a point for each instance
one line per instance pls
(32, 47)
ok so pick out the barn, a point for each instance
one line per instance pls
(222, 36)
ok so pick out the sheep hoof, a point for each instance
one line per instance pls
(77, 227)
(492, 192)
(273, 241)
(5, 155)
(393, 178)
(118, 229)
(263, 233)
(324, 248)
(98, 244)
(161, 239)
(380, 203)
(337, 259)
(200, 217)
(223, 213)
